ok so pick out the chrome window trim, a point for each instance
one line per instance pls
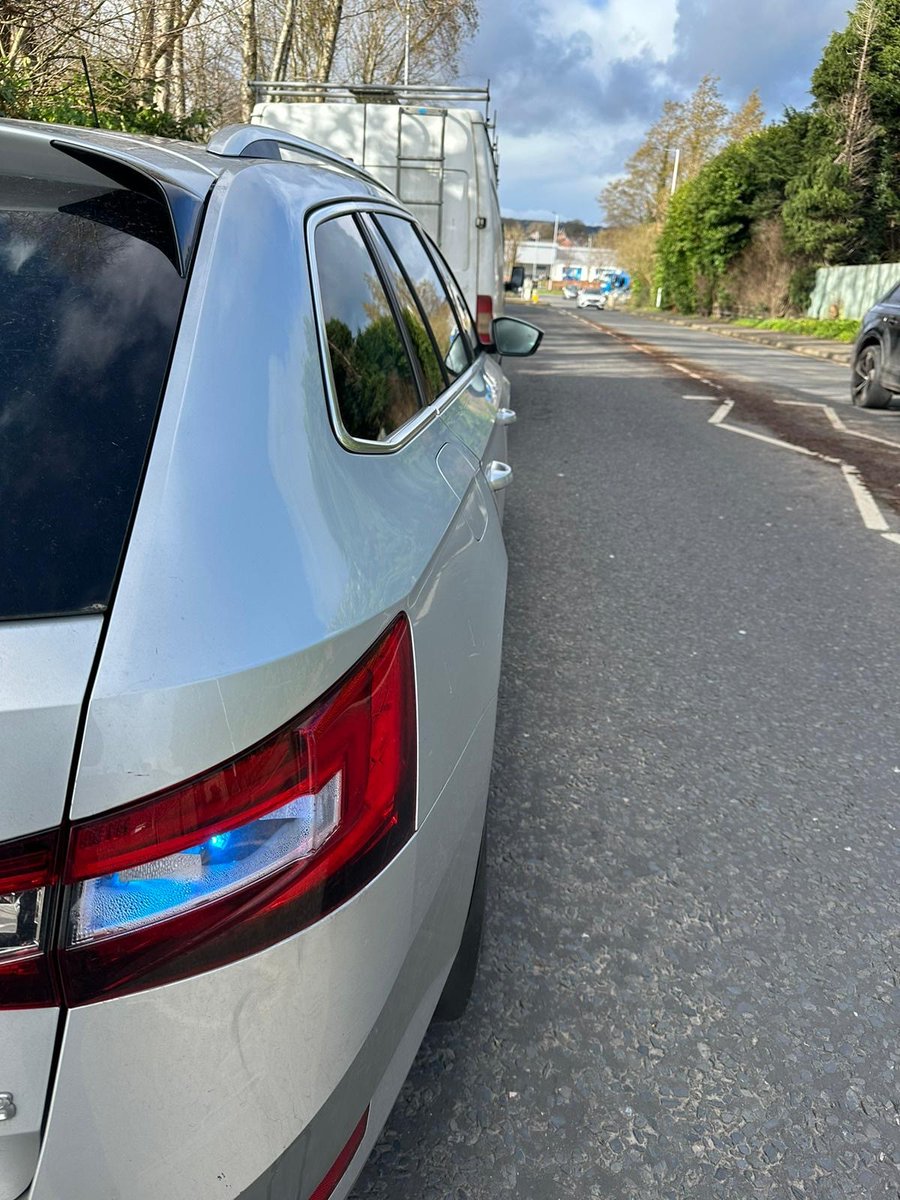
(424, 417)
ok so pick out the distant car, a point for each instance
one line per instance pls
(592, 299)
(251, 604)
(570, 291)
(875, 362)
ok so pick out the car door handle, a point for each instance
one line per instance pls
(506, 416)
(499, 475)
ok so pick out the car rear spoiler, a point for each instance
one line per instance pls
(167, 176)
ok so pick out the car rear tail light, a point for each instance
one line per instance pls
(228, 862)
(484, 316)
(250, 852)
(27, 873)
(338, 1168)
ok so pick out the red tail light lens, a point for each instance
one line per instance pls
(27, 873)
(248, 853)
(338, 1168)
(484, 316)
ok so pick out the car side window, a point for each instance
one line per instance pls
(427, 285)
(893, 297)
(420, 337)
(374, 381)
(463, 313)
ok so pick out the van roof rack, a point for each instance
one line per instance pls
(259, 141)
(369, 93)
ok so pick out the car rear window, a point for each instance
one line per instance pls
(89, 305)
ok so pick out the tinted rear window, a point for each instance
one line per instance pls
(89, 304)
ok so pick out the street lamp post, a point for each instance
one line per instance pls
(671, 193)
(406, 50)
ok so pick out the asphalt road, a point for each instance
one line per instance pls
(690, 976)
(810, 377)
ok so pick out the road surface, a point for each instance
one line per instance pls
(690, 975)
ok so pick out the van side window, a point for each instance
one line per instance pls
(409, 251)
(374, 380)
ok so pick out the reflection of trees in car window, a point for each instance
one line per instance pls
(423, 347)
(373, 376)
(428, 286)
(421, 342)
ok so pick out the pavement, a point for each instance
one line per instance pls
(689, 985)
(838, 352)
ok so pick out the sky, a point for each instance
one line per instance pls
(576, 83)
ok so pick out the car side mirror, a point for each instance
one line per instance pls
(515, 338)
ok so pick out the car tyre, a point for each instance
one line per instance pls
(461, 980)
(866, 390)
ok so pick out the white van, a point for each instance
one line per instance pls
(437, 159)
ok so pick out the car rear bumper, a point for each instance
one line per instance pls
(248, 1081)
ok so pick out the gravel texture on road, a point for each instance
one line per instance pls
(689, 985)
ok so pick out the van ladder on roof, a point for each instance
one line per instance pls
(273, 90)
(407, 163)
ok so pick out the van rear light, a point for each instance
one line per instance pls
(248, 853)
(27, 873)
(484, 316)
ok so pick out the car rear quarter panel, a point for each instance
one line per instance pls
(265, 558)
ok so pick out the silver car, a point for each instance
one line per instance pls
(253, 584)
(592, 298)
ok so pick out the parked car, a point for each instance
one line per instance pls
(875, 360)
(253, 582)
(591, 298)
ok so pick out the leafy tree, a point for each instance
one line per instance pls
(708, 224)
(852, 213)
(698, 129)
(749, 118)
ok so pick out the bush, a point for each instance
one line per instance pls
(844, 330)
(122, 104)
(800, 288)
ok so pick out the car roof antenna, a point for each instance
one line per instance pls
(87, 76)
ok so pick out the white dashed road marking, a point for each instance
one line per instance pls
(871, 514)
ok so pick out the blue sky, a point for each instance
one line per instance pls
(577, 82)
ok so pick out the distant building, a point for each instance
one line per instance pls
(559, 263)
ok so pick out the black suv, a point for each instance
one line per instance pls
(875, 362)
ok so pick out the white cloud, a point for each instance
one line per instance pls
(560, 171)
(578, 82)
(618, 31)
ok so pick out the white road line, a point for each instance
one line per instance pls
(691, 374)
(826, 409)
(871, 437)
(839, 424)
(761, 437)
(865, 501)
(721, 412)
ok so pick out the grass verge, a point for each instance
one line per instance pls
(843, 330)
